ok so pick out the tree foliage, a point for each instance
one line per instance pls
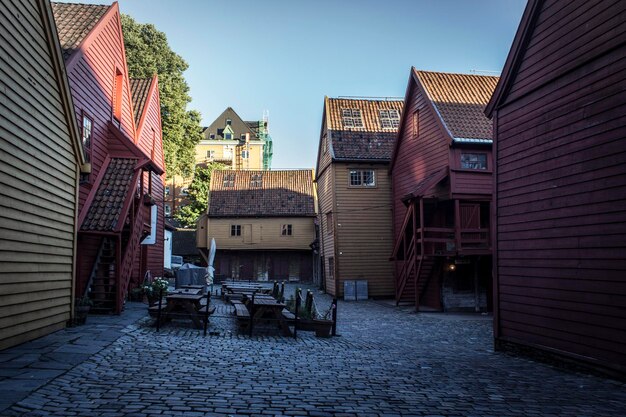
(147, 53)
(198, 194)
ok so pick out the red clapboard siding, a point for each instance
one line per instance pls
(91, 78)
(561, 185)
(416, 157)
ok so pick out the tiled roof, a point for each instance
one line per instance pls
(369, 112)
(460, 100)
(279, 193)
(139, 88)
(106, 207)
(74, 22)
(363, 145)
(184, 242)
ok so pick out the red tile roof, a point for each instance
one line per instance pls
(369, 113)
(460, 100)
(276, 193)
(370, 142)
(139, 88)
(74, 22)
(105, 210)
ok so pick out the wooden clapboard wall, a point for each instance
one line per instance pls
(40, 154)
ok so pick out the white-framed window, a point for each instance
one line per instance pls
(184, 191)
(229, 180)
(87, 133)
(473, 160)
(256, 180)
(210, 154)
(351, 117)
(168, 210)
(235, 230)
(389, 118)
(167, 190)
(228, 136)
(362, 178)
(245, 154)
(286, 230)
(228, 152)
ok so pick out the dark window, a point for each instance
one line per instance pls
(331, 267)
(256, 180)
(416, 124)
(212, 136)
(329, 223)
(228, 136)
(286, 230)
(474, 160)
(229, 122)
(362, 178)
(235, 230)
(168, 210)
(351, 118)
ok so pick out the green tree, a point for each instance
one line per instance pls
(198, 194)
(147, 53)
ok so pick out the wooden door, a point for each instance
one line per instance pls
(470, 219)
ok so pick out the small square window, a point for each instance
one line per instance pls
(229, 180)
(210, 154)
(228, 136)
(389, 118)
(474, 161)
(212, 136)
(286, 230)
(256, 180)
(351, 118)
(229, 122)
(235, 230)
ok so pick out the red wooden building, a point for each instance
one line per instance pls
(442, 185)
(116, 199)
(560, 183)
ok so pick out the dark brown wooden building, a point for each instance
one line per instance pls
(441, 175)
(560, 183)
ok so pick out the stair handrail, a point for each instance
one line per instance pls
(94, 269)
(129, 255)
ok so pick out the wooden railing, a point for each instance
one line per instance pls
(442, 240)
(129, 256)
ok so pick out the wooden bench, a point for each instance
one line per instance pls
(288, 315)
(203, 310)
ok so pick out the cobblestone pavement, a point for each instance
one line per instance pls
(387, 362)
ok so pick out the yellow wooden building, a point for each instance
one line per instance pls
(42, 156)
(263, 223)
(354, 192)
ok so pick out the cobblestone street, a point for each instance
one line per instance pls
(388, 361)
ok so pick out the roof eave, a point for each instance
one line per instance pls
(513, 60)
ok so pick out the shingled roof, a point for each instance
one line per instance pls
(106, 207)
(74, 22)
(460, 100)
(139, 88)
(261, 194)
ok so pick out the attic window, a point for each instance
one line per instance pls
(351, 118)
(389, 119)
(256, 180)
(228, 136)
(229, 122)
(229, 180)
(212, 135)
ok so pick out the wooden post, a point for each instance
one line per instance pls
(159, 310)
(457, 225)
(416, 269)
(251, 314)
(206, 313)
(334, 316)
(295, 328)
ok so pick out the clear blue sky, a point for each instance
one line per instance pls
(285, 56)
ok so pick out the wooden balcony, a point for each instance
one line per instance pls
(444, 241)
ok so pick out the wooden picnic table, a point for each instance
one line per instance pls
(267, 307)
(181, 305)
